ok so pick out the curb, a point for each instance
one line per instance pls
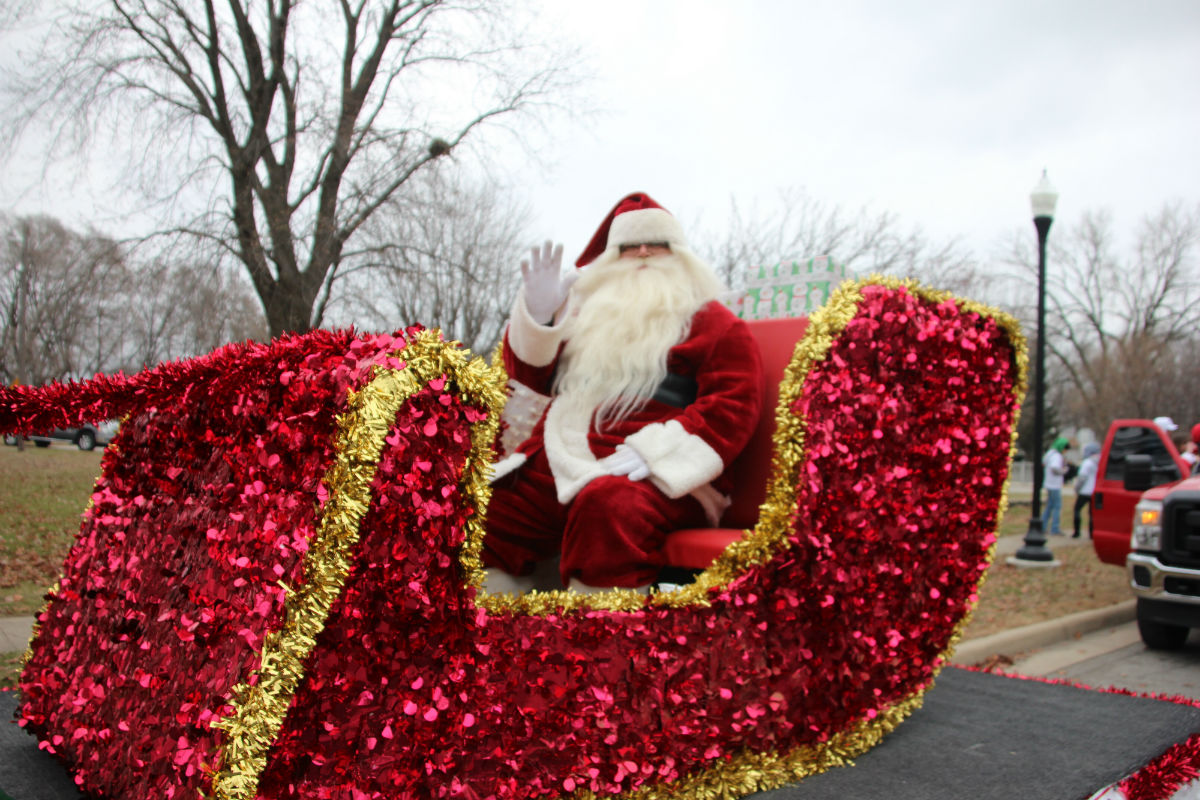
(1040, 634)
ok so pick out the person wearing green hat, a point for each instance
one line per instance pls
(1055, 465)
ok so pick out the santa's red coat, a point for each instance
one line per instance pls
(553, 497)
(687, 449)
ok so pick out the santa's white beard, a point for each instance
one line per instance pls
(631, 312)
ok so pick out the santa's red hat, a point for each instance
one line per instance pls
(634, 220)
(1196, 433)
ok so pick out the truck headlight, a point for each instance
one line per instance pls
(1147, 526)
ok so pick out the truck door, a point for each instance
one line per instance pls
(1112, 505)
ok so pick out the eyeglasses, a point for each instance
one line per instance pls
(652, 248)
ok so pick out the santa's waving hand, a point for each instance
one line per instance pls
(655, 388)
(543, 285)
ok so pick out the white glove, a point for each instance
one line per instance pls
(546, 287)
(626, 461)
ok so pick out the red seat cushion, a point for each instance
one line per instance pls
(697, 547)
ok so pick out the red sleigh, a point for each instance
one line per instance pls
(274, 591)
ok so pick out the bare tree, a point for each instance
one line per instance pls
(183, 308)
(75, 304)
(297, 121)
(800, 226)
(444, 255)
(52, 283)
(1122, 330)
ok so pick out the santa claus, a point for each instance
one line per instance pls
(655, 387)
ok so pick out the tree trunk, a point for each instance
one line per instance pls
(289, 305)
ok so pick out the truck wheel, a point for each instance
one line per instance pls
(86, 440)
(1161, 636)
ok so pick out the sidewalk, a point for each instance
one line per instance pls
(16, 631)
(1042, 634)
(1007, 545)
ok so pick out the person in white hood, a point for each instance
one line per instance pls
(1085, 485)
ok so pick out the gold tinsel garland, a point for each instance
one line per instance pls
(260, 706)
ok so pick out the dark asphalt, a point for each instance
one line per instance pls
(979, 735)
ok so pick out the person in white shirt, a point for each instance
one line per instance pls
(1085, 484)
(1055, 467)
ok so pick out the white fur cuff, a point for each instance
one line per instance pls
(506, 465)
(532, 342)
(680, 462)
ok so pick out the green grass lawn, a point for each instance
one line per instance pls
(1012, 597)
(43, 494)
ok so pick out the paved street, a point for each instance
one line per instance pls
(1115, 656)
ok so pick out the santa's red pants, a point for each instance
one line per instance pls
(610, 534)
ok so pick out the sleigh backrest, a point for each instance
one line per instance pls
(695, 548)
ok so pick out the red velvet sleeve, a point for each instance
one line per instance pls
(729, 383)
(539, 379)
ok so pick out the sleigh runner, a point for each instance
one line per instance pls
(275, 591)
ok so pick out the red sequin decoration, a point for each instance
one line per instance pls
(207, 505)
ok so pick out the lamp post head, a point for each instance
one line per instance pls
(1043, 198)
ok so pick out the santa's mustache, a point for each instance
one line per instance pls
(603, 274)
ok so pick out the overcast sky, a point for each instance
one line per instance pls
(943, 112)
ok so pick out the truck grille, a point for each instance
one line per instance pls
(1181, 529)
(1184, 586)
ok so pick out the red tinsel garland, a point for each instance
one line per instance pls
(1165, 775)
(1178, 699)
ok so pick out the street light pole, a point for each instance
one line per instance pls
(1034, 553)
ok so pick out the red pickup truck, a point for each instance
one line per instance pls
(1147, 517)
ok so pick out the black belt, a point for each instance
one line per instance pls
(676, 390)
